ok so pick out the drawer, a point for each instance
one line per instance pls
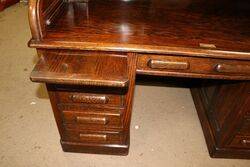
(81, 68)
(93, 137)
(183, 66)
(95, 119)
(98, 99)
(240, 142)
(87, 109)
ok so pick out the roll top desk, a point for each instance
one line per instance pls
(90, 53)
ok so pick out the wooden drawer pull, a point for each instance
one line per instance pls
(93, 137)
(89, 99)
(225, 68)
(171, 65)
(92, 120)
(245, 142)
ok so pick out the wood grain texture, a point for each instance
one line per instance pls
(132, 61)
(168, 65)
(194, 67)
(94, 118)
(83, 98)
(42, 13)
(99, 69)
(222, 108)
(91, 52)
(85, 122)
(81, 125)
(112, 149)
(155, 26)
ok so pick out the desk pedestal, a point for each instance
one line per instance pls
(224, 112)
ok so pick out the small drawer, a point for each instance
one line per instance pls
(79, 68)
(96, 119)
(88, 109)
(111, 100)
(197, 67)
(93, 137)
(240, 142)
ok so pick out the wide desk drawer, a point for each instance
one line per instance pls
(196, 67)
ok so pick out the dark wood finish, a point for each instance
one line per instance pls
(93, 137)
(83, 118)
(41, 14)
(168, 65)
(186, 66)
(81, 69)
(95, 118)
(91, 51)
(6, 3)
(155, 26)
(226, 68)
(82, 97)
(222, 108)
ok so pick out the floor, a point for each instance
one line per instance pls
(165, 130)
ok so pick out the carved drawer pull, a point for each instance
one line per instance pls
(245, 141)
(93, 137)
(171, 65)
(225, 68)
(92, 120)
(89, 99)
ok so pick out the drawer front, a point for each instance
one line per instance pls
(88, 109)
(193, 67)
(92, 119)
(240, 142)
(97, 99)
(93, 137)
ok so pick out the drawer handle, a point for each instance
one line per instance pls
(245, 142)
(93, 137)
(225, 68)
(92, 120)
(89, 99)
(171, 65)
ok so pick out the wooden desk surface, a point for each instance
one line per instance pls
(154, 26)
(177, 38)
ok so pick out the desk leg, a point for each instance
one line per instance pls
(224, 110)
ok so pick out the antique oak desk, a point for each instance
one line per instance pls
(91, 51)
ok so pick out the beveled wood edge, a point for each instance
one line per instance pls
(193, 75)
(132, 62)
(38, 19)
(108, 149)
(34, 77)
(182, 51)
(34, 21)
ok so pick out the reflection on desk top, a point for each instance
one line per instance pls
(155, 25)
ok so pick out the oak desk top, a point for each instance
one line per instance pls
(189, 27)
(92, 51)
